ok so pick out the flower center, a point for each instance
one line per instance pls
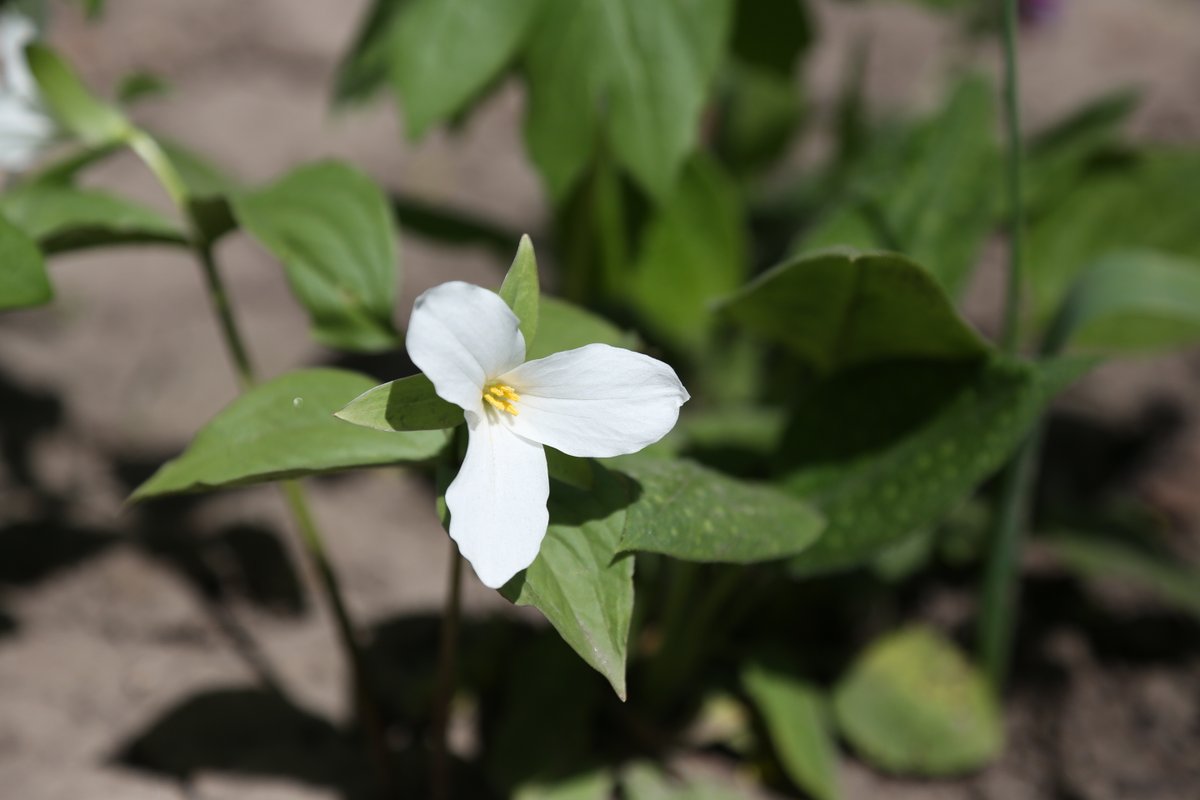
(501, 397)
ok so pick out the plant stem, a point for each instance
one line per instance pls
(365, 704)
(998, 599)
(440, 778)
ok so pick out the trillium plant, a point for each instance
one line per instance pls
(730, 575)
(593, 401)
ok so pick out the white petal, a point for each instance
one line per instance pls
(16, 31)
(497, 502)
(596, 400)
(25, 132)
(461, 336)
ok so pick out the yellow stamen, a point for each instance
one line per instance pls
(501, 398)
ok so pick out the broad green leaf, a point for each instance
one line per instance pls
(285, 428)
(639, 72)
(913, 704)
(933, 197)
(838, 309)
(1131, 301)
(563, 326)
(594, 785)
(520, 288)
(771, 34)
(797, 720)
(690, 512)
(23, 279)
(884, 452)
(445, 52)
(63, 217)
(693, 251)
(407, 404)
(1172, 580)
(647, 781)
(332, 229)
(1147, 202)
(72, 104)
(581, 581)
(365, 66)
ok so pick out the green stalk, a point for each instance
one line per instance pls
(366, 705)
(998, 601)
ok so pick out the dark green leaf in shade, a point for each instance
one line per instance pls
(797, 721)
(366, 65)
(332, 229)
(883, 452)
(913, 704)
(138, 86)
(285, 428)
(407, 404)
(520, 288)
(838, 309)
(563, 326)
(23, 279)
(639, 73)
(760, 112)
(450, 226)
(79, 111)
(772, 34)
(1130, 301)
(64, 217)
(443, 53)
(694, 513)
(581, 581)
(1143, 202)
(1171, 579)
(693, 252)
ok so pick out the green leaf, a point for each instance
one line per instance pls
(647, 781)
(933, 197)
(913, 704)
(365, 66)
(581, 581)
(72, 104)
(450, 226)
(1144, 203)
(202, 178)
(1173, 581)
(690, 512)
(520, 288)
(797, 720)
(886, 451)
(595, 785)
(760, 112)
(445, 52)
(64, 217)
(838, 309)
(638, 72)
(563, 326)
(285, 429)
(138, 86)
(1131, 301)
(407, 404)
(693, 251)
(23, 279)
(332, 229)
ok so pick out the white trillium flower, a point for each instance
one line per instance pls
(594, 401)
(26, 129)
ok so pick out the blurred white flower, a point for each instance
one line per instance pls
(26, 129)
(595, 401)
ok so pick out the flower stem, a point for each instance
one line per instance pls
(366, 705)
(998, 601)
(444, 693)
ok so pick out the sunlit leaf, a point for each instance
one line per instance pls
(93, 121)
(23, 279)
(563, 326)
(285, 428)
(690, 512)
(647, 781)
(520, 288)
(63, 217)
(837, 309)
(332, 230)
(407, 404)
(913, 704)
(580, 580)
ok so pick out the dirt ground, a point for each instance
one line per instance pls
(111, 617)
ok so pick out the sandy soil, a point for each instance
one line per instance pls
(111, 616)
